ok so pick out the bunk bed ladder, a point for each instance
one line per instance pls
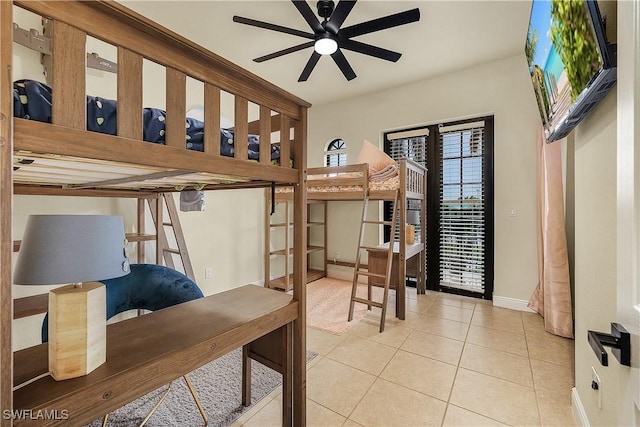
(163, 251)
(358, 271)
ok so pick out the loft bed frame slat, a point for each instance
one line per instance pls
(285, 139)
(212, 119)
(69, 76)
(123, 165)
(264, 132)
(129, 94)
(241, 127)
(176, 108)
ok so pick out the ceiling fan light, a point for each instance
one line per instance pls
(325, 46)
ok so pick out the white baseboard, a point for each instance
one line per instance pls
(512, 303)
(343, 273)
(577, 408)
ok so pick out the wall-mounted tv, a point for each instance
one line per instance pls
(571, 64)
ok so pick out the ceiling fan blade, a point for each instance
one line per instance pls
(367, 49)
(284, 51)
(378, 24)
(272, 27)
(308, 15)
(313, 60)
(343, 64)
(339, 14)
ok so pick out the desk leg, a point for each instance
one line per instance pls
(287, 377)
(274, 350)
(422, 273)
(246, 376)
(401, 289)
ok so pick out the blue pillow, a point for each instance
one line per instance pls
(148, 286)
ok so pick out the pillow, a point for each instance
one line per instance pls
(375, 157)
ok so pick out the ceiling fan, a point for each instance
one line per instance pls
(328, 38)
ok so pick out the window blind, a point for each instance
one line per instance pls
(336, 153)
(462, 208)
(336, 159)
(410, 145)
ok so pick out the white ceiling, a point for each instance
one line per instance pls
(450, 35)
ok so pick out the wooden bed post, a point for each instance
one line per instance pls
(402, 245)
(300, 272)
(6, 195)
(422, 275)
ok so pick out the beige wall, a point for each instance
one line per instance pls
(501, 88)
(606, 234)
(595, 251)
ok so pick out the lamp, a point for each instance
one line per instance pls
(325, 45)
(75, 249)
(413, 219)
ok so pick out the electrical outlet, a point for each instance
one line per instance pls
(596, 385)
(208, 273)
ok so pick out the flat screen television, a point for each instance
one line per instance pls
(571, 64)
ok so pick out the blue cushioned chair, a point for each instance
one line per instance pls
(149, 287)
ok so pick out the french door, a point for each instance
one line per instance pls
(459, 158)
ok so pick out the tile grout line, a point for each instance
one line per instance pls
(455, 376)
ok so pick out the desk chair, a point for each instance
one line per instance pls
(147, 287)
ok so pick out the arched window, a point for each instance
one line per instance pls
(336, 153)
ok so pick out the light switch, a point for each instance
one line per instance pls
(513, 211)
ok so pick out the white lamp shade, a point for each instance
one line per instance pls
(60, 249)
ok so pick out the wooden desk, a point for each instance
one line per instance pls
(378, 264)
(149, 351)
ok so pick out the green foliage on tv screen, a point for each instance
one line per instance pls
(573, 38)
(537, 76)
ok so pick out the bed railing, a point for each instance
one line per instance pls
(411, 178)
(414, 177)
(348, 175)
(137, 39)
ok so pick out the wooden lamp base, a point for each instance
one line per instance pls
(410, 234)
(77, 330)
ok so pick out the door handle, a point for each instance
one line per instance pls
(619, 340)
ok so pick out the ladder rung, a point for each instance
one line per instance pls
(167, 224)
(368, 302)
(377, 222)
(374, 249)
(366, 273)
(173, 251)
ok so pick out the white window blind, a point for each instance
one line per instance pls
(413, 148)
(409, 145)
(462, 208)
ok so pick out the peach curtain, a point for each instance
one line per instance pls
(552, 296)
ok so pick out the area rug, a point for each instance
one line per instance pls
(328, 304)
(219, 388)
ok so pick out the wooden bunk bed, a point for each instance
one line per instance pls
(351, 183)
(141, 356)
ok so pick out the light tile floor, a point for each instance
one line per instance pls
(454, 361)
